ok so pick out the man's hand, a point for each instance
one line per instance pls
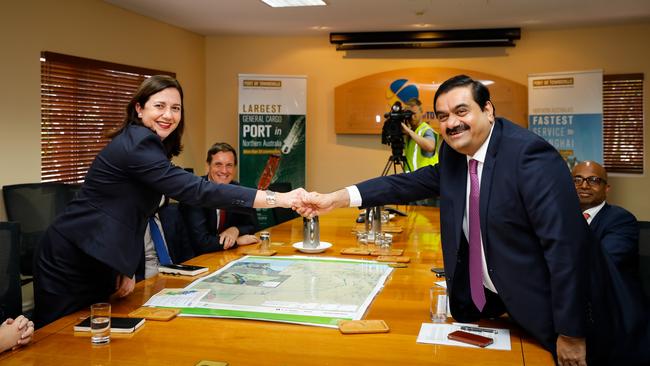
(407, 130)
(228, 237)
(315, 203)
(571, 351)
(247, 240)
(124, 285)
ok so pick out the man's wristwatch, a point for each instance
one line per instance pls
(270, 198)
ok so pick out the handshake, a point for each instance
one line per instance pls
(309, 204)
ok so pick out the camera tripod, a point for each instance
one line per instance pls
(395, 160)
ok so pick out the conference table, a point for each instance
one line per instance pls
(403, 304)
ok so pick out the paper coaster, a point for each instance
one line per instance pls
(397, 265)
(265, 253)
(363, 326)
(392, 252)
(154, 313)
(390, 258)
(355, 251)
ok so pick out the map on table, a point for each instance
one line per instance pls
(295, 289)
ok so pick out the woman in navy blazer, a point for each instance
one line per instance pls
(93, 248)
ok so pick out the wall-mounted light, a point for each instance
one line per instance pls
(500, 37)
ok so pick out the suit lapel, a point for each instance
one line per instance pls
(595, 222)
(458, 183)
(486, 177)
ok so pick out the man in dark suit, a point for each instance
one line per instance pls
(617, 232)
(513, 237)
(213, 230)
(175, 241)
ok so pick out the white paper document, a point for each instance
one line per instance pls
(437, 334)
(176, 297)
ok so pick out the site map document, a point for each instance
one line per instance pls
(295, 289)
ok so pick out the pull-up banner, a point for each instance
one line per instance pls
(566, 109)
(272, 111)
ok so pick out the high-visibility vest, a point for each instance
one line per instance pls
(413, 152)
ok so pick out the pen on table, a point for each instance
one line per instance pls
(478, 329)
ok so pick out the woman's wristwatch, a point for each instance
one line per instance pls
(270, 198)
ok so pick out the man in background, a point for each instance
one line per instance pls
(422, 142)
(616, 231)
(213, 230)
(165, 241)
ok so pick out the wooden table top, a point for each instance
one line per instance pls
(403, 304)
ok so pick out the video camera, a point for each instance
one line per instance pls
(391, 132)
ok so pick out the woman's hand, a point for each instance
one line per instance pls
(291, 199)
(124, 285)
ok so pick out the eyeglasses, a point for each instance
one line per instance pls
(591, 181)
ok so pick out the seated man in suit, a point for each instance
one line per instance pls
(165, 241)
(213, 230)
(617, 232)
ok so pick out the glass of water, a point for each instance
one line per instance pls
(100, 323)
(265, 241)
(438, 304)
(362, 240)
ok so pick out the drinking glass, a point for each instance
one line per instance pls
(438, 304)
(362, 240)
(265, 241)
(100, 323)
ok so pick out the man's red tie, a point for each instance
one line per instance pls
(586, 215)
(222, 220)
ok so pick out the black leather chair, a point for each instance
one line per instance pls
(281, 214)
(10, 291)
(34, 206)
(644, 256)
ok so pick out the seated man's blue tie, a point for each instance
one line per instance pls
(159, 243)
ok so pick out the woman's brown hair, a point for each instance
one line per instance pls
(148, 88)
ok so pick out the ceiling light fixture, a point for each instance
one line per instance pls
(293, 3)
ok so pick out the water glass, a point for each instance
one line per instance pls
(438, 304)
(362, 240)
(265, 241)
(100, 323)
(384, 242)
(385, 217)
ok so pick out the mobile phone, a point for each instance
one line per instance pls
(470, 338)
(186, 267)
(440, 272)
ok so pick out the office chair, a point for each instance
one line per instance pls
(10, 291)
(281, 214)
(34, 206)
(644, 256)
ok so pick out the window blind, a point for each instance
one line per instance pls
(623, 149)
(81, 100)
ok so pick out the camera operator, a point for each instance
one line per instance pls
(422, 142)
